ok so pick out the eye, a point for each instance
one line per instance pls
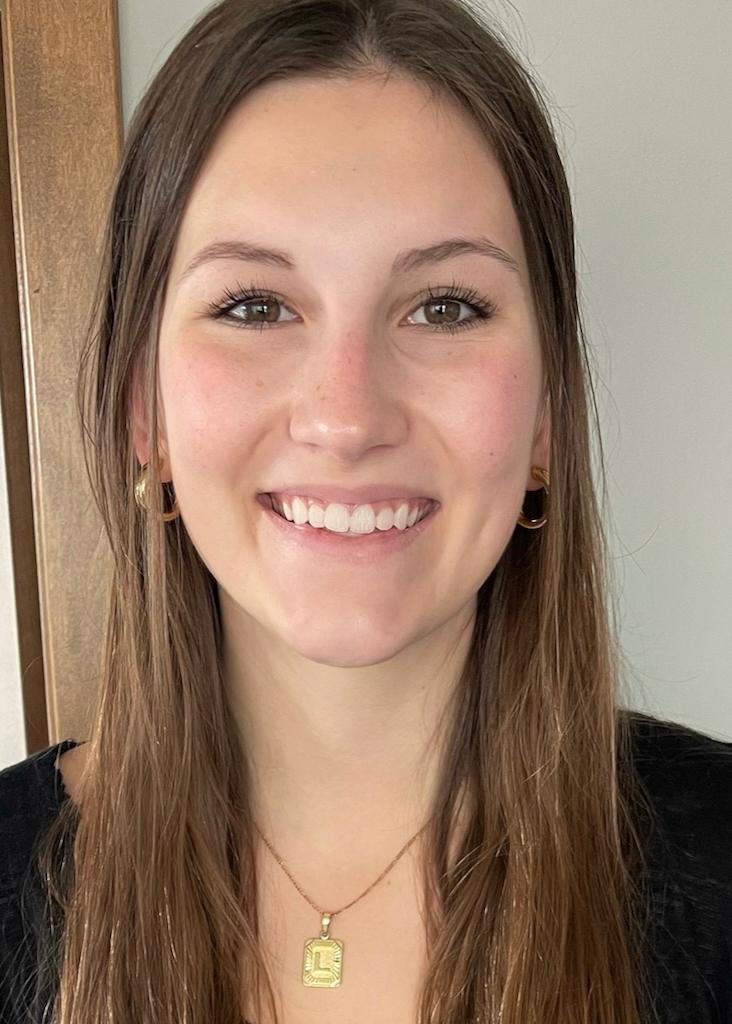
(441, 304)
(261, 313)
(447, 302)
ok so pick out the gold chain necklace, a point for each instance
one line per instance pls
(322, 965)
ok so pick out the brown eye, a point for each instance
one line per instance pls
(443, 309)
(262, 308)
(264, 311)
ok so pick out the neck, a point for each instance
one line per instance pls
(344, 762)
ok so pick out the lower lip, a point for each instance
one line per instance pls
(356, 549)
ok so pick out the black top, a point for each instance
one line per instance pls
(687, 775)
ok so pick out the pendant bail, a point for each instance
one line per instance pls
(325, 925)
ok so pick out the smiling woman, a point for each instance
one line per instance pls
(341, 251)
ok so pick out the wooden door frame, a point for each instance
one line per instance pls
(59, 150)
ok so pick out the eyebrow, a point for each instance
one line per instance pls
(409, 260)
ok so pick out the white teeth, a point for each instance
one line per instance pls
(316, 516)
(299, 511)
(363, 520)
(401, 516)
(335, 517)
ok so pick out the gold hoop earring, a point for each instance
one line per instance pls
(141, 497)
(538, 473)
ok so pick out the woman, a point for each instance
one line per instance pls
(358, 754)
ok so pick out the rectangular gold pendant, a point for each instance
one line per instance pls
(322, 963)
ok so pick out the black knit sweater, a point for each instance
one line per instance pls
(688, 879)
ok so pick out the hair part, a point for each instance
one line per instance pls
(154, 917)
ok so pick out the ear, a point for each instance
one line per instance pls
(540, 453)
(139, 422)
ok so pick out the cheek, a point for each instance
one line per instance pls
(482, 411)
(488, 415)
(210, 412)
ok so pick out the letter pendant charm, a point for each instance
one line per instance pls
(322, 965)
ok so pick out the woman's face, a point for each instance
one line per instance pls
(348, 378)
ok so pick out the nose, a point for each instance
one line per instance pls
(348, 398)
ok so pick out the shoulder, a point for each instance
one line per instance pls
(668, 752)
(31, 793)
(687, 776)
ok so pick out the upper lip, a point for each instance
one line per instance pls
(350, 495)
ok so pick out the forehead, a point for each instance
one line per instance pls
(363, 163)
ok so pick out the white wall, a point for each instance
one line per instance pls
(643, 93)
(641, 96)
(12, 732)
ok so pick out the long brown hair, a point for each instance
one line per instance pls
(153, 911)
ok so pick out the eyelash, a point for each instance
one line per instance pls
(485, 308)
